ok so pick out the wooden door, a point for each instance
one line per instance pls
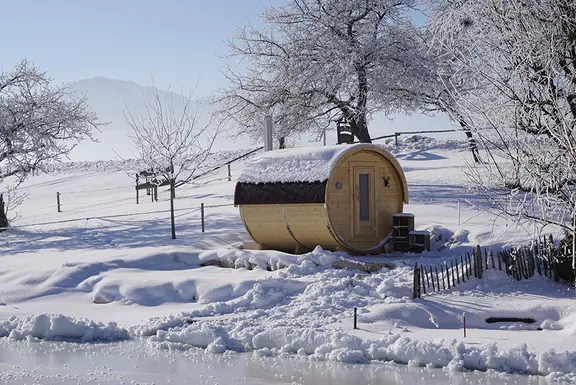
(363, 203)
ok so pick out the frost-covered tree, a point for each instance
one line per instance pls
(170, 140)
(523, 57)
(39, 122)
(315, 61)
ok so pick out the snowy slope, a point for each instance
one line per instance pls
(109, 260)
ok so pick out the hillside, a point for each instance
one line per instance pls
(110, 99)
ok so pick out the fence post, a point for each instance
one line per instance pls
(229, 173)
(396, 139)
(479, 259)
(58, 201)
(202, 215)
(355, 318)
(414, 295)
(423, 282)
(137, 179)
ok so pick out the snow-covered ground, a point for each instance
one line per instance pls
(105, 268)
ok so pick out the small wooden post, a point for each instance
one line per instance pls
(156, 193)
(464, 323)
(447, 274)
(443, 281)
(457, 273)
(479, 255)
(422, 279)
(202, 215)
(396, 139)
(432, 275)
(58, 201)
(453, 280)
(415, 282)
(137, 178)
(492, 259)
(355, 318)
(229, 173)
(437, 279)
(462, 268)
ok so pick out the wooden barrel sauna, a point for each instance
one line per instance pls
(338, 197)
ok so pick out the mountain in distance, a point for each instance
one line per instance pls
(110, 99)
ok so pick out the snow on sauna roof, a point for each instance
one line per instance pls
(304, 164)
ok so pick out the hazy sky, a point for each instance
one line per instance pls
(176, 41)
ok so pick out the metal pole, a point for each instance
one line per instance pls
(202, 215)
(58, 201)
(458, 212)
(355, 318)
(464, 322)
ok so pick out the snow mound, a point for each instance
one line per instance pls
(57, 327)
(343, 347)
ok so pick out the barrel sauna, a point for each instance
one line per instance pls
(339, 197)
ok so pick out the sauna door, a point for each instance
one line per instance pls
(363, 203)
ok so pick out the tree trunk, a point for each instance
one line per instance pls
(471, 141)
(172, 195)
(3, 218)
(282, 143)
(360, 130)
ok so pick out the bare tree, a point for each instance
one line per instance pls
(317, 61)
(440, 86)
(523, 54)
(39, 123)
(170, 140)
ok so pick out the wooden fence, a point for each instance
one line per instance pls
(541, 256)
(433, 278)
(523, 262)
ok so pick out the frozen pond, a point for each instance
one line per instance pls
(133, 362)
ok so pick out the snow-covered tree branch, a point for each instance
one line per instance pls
(318, 61)
(523, 57)
(39, 122)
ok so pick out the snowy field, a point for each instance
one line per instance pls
(105, 269)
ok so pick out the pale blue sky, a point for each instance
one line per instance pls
(176, 41)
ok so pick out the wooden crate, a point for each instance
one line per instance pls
(418, 241)
(402, 225)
